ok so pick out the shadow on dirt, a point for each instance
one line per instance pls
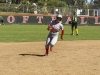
(39, 55)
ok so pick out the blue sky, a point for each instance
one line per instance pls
(88, 0)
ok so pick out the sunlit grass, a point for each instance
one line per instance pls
(31, 33)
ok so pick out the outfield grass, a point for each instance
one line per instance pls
(31, 33)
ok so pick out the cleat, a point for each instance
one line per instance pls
(46, 54)
(72, 34)
(76, 34)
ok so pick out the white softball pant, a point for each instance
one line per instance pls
(51, 41)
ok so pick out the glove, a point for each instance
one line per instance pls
(70, 22)
(49, 28)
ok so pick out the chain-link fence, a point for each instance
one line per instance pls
(34, 9)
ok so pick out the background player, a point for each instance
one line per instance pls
(74, 24)
(1, 20)
(54, 28)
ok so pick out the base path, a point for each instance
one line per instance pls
(80, 57)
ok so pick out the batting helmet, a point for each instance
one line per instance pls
(59, 15)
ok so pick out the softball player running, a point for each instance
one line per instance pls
(54, 28)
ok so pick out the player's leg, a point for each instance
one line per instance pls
(72, 28)
(76, 28)
(47, 44)
(2, 22)
(53, 42)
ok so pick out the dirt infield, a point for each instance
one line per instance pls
(68, 58)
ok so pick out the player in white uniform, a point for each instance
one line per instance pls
(54, 28)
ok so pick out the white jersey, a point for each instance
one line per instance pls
(56, 28)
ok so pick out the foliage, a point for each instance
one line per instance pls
(62, 4)
(41, 3)
(96, 4)
(75, 3)
(80, 3)
(70, 2)
(25, 2)
(2, 1)
(55, 3)
(52, 3)
(35, 1)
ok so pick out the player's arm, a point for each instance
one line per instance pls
(49, 27)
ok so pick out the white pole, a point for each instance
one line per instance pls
(88, 12)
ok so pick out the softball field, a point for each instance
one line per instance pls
(81, 57)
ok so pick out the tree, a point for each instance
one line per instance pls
(75, 3)
(96, 3)
(2, 1)
(16, 1)
(55, 3)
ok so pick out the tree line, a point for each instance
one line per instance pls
(58, 3)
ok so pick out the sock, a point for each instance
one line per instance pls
(76, 31)
(47, 49)
(62, 34)
(51, 48)
(72, 31)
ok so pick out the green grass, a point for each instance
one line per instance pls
(85, 33)
(31, 33)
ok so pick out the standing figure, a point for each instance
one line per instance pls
(54, 28)
(1, 20)
(74, 24)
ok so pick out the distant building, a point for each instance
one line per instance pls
(97, 12)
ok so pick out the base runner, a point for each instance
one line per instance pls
(54, 28)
